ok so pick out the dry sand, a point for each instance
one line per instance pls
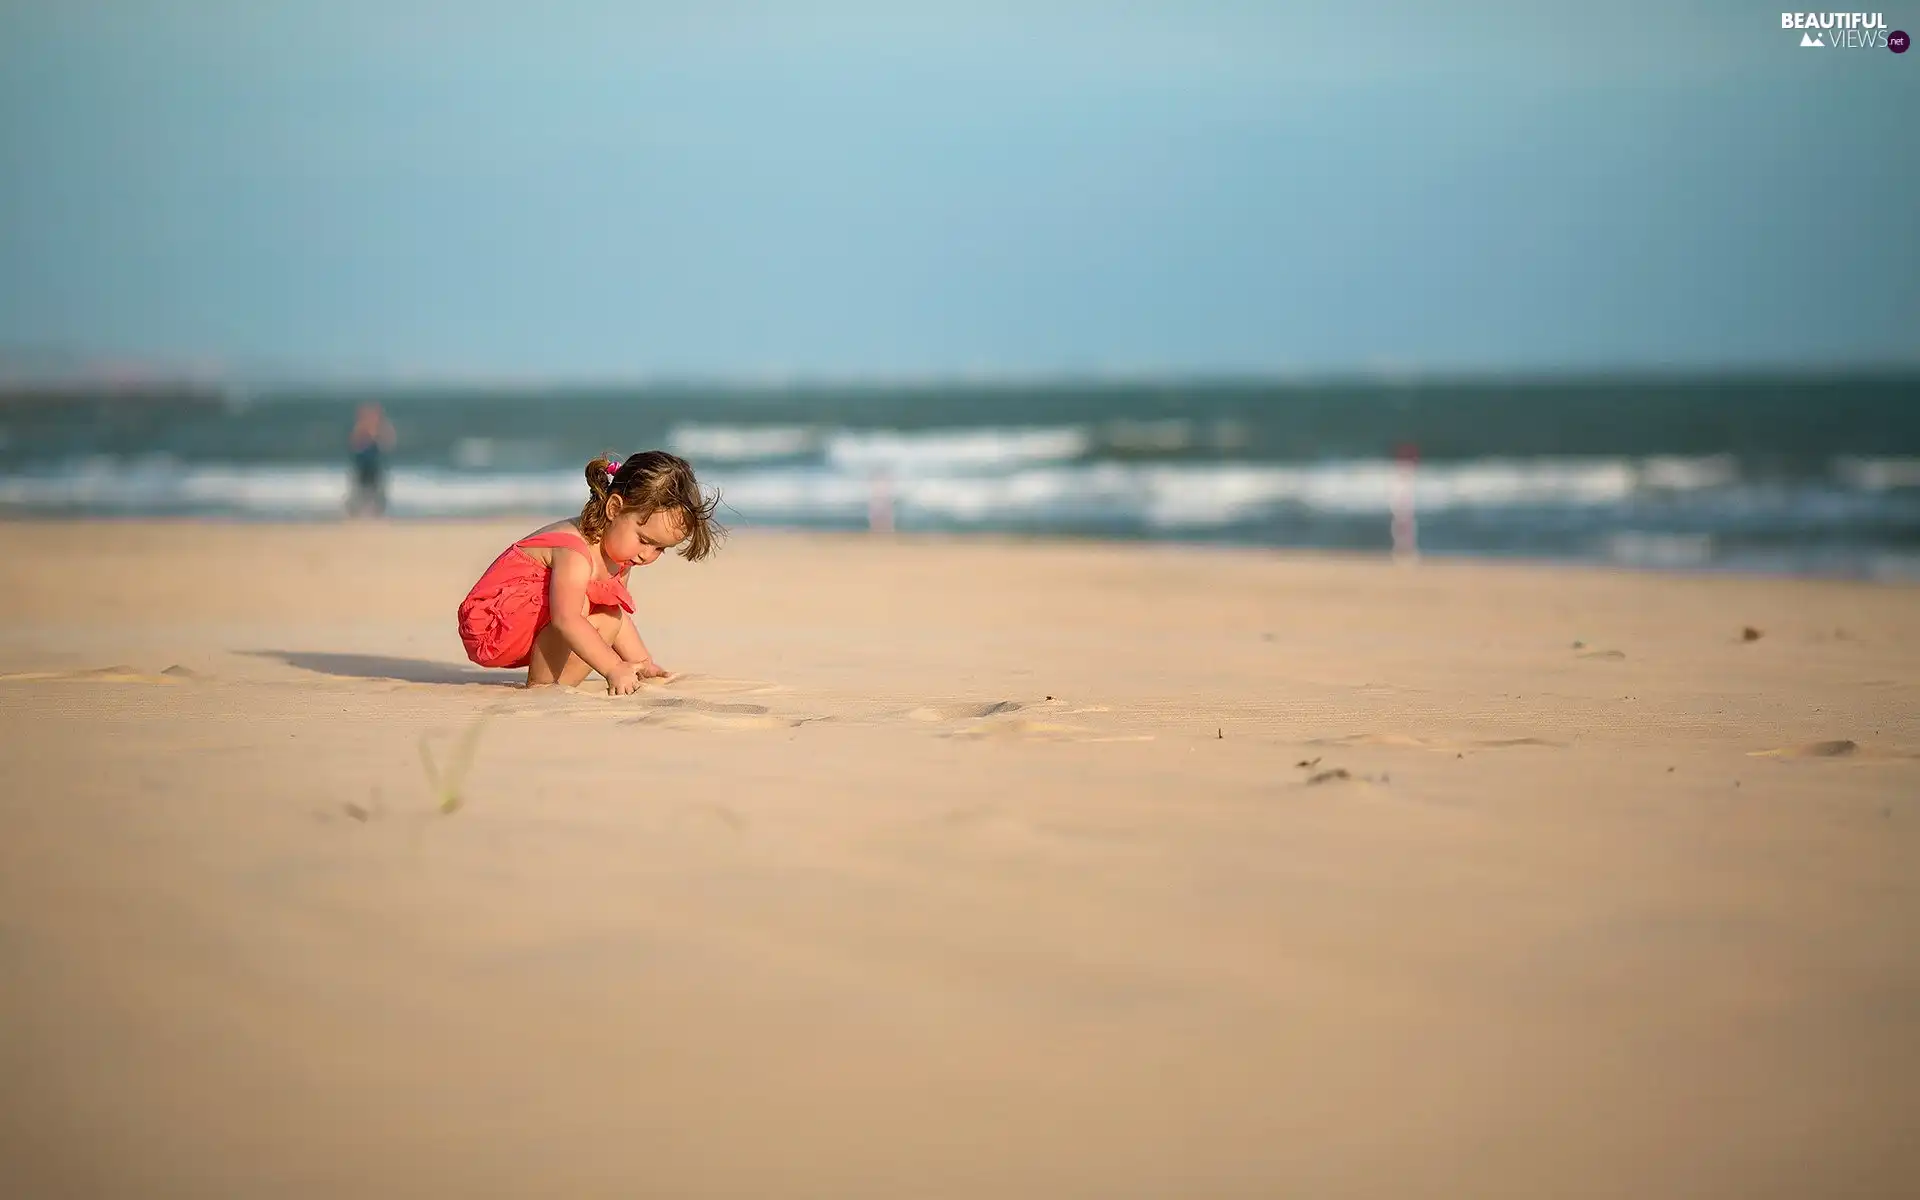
(952, 868)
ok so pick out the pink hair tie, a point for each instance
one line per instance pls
(613, 467)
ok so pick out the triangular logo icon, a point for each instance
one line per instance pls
(1808, 39)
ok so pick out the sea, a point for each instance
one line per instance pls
(1802, 475)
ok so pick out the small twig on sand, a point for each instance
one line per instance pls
(446, 784)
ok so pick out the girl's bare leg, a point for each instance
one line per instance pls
(554, 661)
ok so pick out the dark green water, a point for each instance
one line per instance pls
(1818, 475)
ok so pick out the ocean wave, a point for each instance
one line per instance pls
(1211, 495)
(974, 450)
(1638, 549)
(1668, 512)
(882, 451)
(743, 443)
(278, 491)
(1177, 496)
(1878, 474)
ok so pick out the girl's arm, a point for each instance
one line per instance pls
(567, 611)
(628, 645)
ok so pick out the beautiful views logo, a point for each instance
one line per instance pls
(1847, 31)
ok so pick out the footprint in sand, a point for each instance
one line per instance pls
(652, 706)
(683, 701)
(1023, 728)
(713, 685)
(693, 704)
(1836, 748)
(1013, 720)
(116, 674)
(659, 707)
(1341, 775)
(697, 720)
(966, 711)
(1437, 745)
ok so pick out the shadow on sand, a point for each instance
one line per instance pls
(381, 666)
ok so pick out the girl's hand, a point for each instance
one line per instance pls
(653, 670)
(623, 681)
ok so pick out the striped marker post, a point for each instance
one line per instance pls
(1406, 533)
(880, 505)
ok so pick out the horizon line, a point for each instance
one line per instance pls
(127, 377)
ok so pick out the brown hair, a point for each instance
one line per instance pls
(650, 482)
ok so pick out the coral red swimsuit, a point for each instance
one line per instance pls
(507, 609)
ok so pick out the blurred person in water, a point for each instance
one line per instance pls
(371, 442)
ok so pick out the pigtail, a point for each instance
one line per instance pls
(599, 476)
(593, 517)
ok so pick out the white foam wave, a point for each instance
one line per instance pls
(443, 494)
(102, 485)
(894, 453)
(1674, 474)
(1163, 497)
(1879, 474)
(1208, 496)
(743, 443)
(804, 494)
(1201, 496)
(280, 491)
(1669, 550)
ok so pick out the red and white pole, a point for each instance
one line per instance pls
(880, 505)
(1406, 544)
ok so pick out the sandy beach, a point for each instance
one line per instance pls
(952, 868)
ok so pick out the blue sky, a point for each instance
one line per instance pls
(600, 191)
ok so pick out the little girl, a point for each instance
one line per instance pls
(556, 601)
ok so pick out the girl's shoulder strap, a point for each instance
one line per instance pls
(566, 538)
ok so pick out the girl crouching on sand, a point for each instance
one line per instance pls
(556, 601)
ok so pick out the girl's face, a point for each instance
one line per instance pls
(632, 540)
